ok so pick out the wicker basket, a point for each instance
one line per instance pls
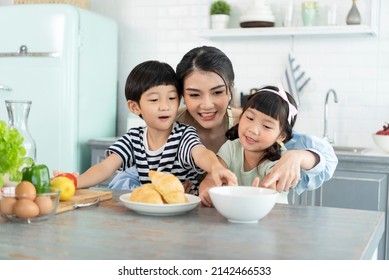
(80, 3)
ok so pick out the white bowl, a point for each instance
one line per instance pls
(243, 204)
(382, 141)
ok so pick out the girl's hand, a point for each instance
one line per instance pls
(205, 198)
(255, 182)
(205, 185)
(286, 173)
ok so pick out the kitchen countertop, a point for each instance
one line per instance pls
(370, 156)
(111, 231)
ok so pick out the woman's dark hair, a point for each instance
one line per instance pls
(208, 59)
(271, 104)
(146, 75)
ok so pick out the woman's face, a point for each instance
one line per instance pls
(206, 97)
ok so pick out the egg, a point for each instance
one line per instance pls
(7, 204)
(45, 204)
(25, 208)
(26, 190)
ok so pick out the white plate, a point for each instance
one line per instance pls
(160, 209)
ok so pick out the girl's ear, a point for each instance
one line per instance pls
(280, 139)
(133, 107)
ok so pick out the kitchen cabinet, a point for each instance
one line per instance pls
(367, 28)
(359, 182)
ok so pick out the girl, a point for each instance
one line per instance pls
(206, 79)
(257, 141)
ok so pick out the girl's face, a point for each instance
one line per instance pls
(158, 106)
(258, 131)
(206, 98)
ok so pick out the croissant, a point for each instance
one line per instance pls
(169, 186)
(146, 193)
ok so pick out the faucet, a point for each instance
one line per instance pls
(325, 135)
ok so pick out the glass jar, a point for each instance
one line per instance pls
(18, 111)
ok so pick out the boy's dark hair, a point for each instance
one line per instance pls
(272, 105)
(147, 75)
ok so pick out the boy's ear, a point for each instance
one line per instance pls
(133, 107)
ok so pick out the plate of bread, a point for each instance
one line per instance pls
(164, 196)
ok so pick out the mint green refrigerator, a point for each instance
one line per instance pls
(63, 59)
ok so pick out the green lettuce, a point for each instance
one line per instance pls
(12, 154)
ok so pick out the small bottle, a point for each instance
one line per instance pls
(353, 16)
(331, 14)
(18, 112)
(288, 15)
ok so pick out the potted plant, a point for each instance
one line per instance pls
(220, 14)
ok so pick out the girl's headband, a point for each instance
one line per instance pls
(281, 92)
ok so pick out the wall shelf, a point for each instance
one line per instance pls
(289, 31)
(368, 29)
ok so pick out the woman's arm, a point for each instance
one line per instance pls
(308, 163)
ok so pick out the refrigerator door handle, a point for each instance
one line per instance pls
(4, 87)
(23, 52)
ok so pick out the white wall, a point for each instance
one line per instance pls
(357, 67)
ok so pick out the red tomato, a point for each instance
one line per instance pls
(70, 176)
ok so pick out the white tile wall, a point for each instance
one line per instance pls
(356, 67)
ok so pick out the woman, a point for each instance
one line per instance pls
(206, 78)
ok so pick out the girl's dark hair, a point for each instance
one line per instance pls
(147, 75)
(273, 105)
(208, 59)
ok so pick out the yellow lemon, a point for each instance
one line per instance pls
(64, 185)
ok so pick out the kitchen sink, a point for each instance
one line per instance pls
(350, 149)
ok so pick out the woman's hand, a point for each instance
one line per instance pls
(286, 173)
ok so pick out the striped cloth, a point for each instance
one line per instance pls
(174, 157)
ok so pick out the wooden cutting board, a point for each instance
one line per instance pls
(83, 196)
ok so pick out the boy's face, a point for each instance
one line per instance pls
(158, 106)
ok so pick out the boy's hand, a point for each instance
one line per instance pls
(57, 172)
(223, 176)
